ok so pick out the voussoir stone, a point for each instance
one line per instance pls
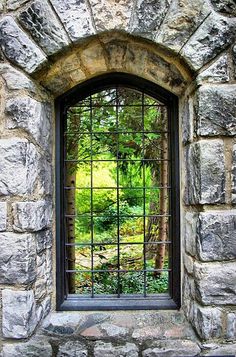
(75, 16)
(15, 79)
(215, 283)
(210, 39)
(42, 23)
(18, 47)
(18, 169)
(72, 349)
(216, 110)
(205, 178)
(172, 348)
(33, 348)
(225, 6)
(31, 115)
(19, 317)
(106, 349)
(218, 72)
(3, 216)
(216, 235)
(17, 260)
(233, 175)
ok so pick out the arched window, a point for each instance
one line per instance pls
(117, 196)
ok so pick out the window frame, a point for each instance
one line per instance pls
(62, 103)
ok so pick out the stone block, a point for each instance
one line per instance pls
(205, 176)
(75, 16)
(233, 175)
(15, 79)
(32, 216)
(44, 275)
(17, 260)
(215, 283)
(3, 216)
(216, 235)
(172, 348)
(231, 327)
(43, 240)
(34, 117)
(187, 120)
(18, 47)
(234, 61)
(59, 323)
(14, 4)
(19, 317)
(216, 111)
(18, 169)
(227, 350)
(45, 181)
(72, 349)
(182, 19)
(34, 348)
(207, 321)
(112, 330)
(210, 39)
(225, 6)
(106, 349)
(218, 72)
(190, 221)
(42, 23)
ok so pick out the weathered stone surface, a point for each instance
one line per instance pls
(18, 169)
(43, 282)
(113, 14)
(216, 110)
(148, 16)
(19, 313)
(171, 348)
(227, 350)
(62, 323)
(42, 23)
(225, 6)
(72, 349)
(14, 4)
(216, 235)
(18, 47)
(106, 349)
(45, 182)
(218, 72)
(190, 221)
(15, 79)
(205, 178)
(93, 58)
(233, 175)
(33, 116)
(33, 348)
(32, 216)
(207, 321)
(43, 240)
(76, 18)
(215, 283)
(187, 120)
(113, 330)
(182, 20)
(17, 260)
(210, 39)
(3, 216)
(231, 327)
(234, 60)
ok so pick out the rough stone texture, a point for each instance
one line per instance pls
(42, 23)
(233, 175)
(225, 6)
(14, 4)
(227, 350)
(17, 258)
(72, 349)
(3, 216)
(18, 47)
(217, 235)
(187, 120)
(231, 327)
(15, 79)
(172, 349)
(215, 283)
(32, 216)
(181, 21)
(61, 323)
(33, 116)
(113, 330)
(76, 18)
(43, 284)
(19, 313)
(218, 72)
(43, 240)
(18, 169)
(106, 349)
(207, 321)
(216, 110)
(234, 60)
(210, 39)
(148, 16)
(205, 178)
(33, 348)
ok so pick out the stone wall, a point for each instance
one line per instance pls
(185, 46)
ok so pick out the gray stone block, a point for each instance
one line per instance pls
(227, 350)
(172, 348)
(43, 240)
(43, 282)
(233, 175)
(34, 348)
(18, 169)
(210, 39)
(215, 283)
(3, 216)
(106, 349)
(225, 6)
(32, 216)
(18, 47)
(187, 120)
(75, 17)
(42, 23)
(218, 72)
(19, 317)
(231, 327)
(190, 221)
(205, 176)
(216, 235)
(216, 111)
(72, 349)
(15, 79)
(14, 4)
(234, 61)
(17, 260)
(33, 116)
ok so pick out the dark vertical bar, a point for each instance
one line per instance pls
(118, 196)
(91, 189)
(144, 202)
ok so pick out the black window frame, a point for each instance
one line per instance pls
(62, 103)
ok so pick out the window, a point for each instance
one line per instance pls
(117, 196)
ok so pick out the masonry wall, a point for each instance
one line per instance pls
(185, 46)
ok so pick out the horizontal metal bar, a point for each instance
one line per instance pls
(116, 160)
(89, 132)
(115, 244)
(119, 188)
(117, 271)
(112, 105)
(117, 216)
